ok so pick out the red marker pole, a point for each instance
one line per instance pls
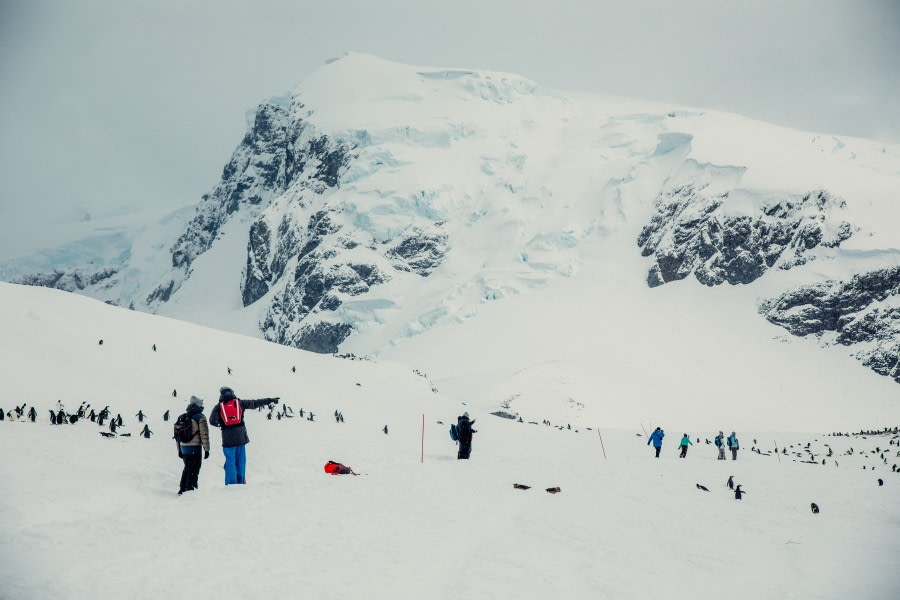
(423, 438)
(601, 445)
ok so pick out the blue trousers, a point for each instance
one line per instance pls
(235, 464)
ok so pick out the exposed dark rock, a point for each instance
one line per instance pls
(854, 309)
(419, 251)
(690, 233)
(70, 281)
(323, 337)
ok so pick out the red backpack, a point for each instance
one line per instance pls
(231, 412)
(336, 468)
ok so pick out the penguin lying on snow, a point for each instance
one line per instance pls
(815, 508)
(704, 488)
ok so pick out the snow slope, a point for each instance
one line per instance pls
(90, 517)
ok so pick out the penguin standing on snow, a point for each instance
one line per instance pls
(146, 431)
(32, 414)
(112, 426)
(880, 482)
(730, 482)
(140, 415)
(738, 493)
(166, 416)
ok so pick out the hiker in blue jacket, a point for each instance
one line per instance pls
(657, 437)
(234, 436)
(734, 445)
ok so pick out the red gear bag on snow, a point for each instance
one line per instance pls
(336, 468)
(231, 412)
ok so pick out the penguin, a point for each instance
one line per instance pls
(385, 430)
(701, 487)
(312, 417)
(738, 492)
(174, 393)
(293, 369)
(32, 414)
(106, 434)
(154, 347)
(112, 426)
(52, 418)
(146, 432)
(880, 482)
(140, 415)
(100, 343)
(166, 416)
(60, 417)
(730, 482)
(229, 370)
(119, 419)
(815, 508)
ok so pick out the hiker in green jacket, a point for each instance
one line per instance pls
(685, 442)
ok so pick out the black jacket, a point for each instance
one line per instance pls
(464, 429)
(236, 435)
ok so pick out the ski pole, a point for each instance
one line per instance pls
(776, 452)
(645, 431)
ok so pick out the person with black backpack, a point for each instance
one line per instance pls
(191, 432)
(464, 433)
(229, 416)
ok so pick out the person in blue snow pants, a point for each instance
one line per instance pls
(234, 435)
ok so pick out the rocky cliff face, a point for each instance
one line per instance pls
(692, 232)
(862, 312)
(280, 152)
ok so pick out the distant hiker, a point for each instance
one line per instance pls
(738, 492)
(146, 432)
(140, 415)
(191, 435)
(734, 445)
(385, 430)
(685, 442)
(32, 414)
(464, 431)
(720, 444)
(229, 416)
(656, 439)
(166, 416)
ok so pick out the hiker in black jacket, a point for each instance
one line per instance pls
(194, 450)
(234, 435)
(464, 431)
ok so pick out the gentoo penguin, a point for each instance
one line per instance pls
(730, 482)
(701, 487)
(738, 492)
(815, 508)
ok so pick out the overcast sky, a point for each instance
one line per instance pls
(135, 102)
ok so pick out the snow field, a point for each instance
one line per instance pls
(90, 517)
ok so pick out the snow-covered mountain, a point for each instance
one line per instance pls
(569, 243)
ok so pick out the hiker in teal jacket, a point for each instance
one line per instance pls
(657, 437)
(685, 442)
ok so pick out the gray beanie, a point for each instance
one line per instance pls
(466, 415)
(195, 401)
